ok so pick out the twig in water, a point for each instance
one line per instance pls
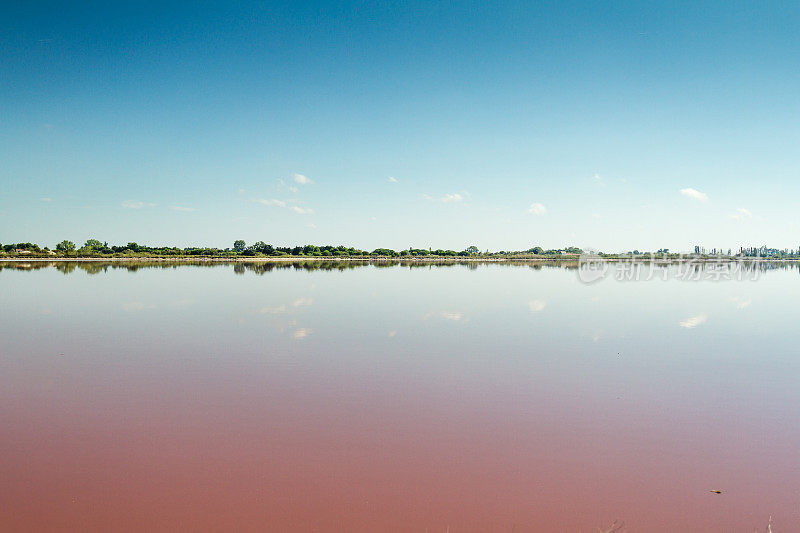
(613, 527)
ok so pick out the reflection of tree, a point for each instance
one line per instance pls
(25, 266)
(66, 268)
(93, 268)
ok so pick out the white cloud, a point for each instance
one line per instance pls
(537, 209)
(449, 198)
(291, 188)
(537, 305)
(694, 321)
(302, 180)
(694, 194)
(183, 209)
(598, 179)
(392, 179)
(741, 213)
(271, 202)
(135, 204)
(452, 198)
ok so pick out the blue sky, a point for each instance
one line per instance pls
(610, 125)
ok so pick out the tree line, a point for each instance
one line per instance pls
(96, 248)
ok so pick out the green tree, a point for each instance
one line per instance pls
(260, 247)
(239, 246)
(65, 246)
(472, 250)
(93, 244)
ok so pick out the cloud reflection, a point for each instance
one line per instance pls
(302, 333)
(277, 310)
(132, 307)
(741, 303)
(537, 305)
(694, 321)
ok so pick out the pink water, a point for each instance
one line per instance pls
(395, 400)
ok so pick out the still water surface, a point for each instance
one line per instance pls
(481, 397)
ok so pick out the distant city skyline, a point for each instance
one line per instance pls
(607, 126)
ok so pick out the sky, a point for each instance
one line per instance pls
(614, 126)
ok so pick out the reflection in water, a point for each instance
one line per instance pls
(537, 305)
(474, 396)
(688, 270)
(693, 322)
(262, 267)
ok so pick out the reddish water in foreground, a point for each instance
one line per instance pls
(489, 399)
